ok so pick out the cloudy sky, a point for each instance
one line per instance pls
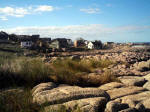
(106, 20)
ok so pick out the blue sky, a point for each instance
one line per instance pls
(106, 20)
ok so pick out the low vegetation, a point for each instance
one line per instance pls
(26, 72)
(76, 72)
(18, 100)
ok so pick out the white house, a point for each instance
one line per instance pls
(90, 45)
(26, 43)
(95, 45)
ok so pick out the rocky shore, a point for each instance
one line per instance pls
(130, 94)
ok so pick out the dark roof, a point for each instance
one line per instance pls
(97, 43)
(3, 35)
(60, 40)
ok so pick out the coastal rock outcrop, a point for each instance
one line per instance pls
(53, 96)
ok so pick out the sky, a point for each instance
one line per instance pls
(105, 20)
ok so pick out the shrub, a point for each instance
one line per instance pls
(19, 100)
(34, 71)
(16, 100)
(76, 72)
(100, 63)
(23, 72)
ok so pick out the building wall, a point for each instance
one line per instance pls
(90, 45)
(26, 44)
(54, 44)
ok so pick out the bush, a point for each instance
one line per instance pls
(76, 72)
(19, 100)
(34, 71)
(16, 100)
(28, 72)
(23, 72)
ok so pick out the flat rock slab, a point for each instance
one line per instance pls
(114, 106)
(85, 105)
(147, 77)
(125, 91)
(62, 94)
(143, 98)
(132, 80)
(42, 87)
(147, 85)
(111, 85)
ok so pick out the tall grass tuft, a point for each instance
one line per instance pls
(16, 100)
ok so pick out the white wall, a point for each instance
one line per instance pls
(26, 44)
(90, 45)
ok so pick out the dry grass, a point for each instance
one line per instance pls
(29, 72)
(18, 100)
(76, 72)
(23, 72)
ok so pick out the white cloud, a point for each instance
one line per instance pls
(91, 10)
(3, 18)
(90, 32)
(16, 12)
(22, 11)
(44, 8)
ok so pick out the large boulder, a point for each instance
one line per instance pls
(125, 91)
(114, 106)
(147, 85)
(111, 85)
(85, 105)
(132, 80)
(143, 98)
(43, 86)
(147, 77)
(142, 66)
(53, 96)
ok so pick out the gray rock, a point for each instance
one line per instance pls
(132, 80)
(147, 77)
(43, 86)
(140, 107)
(114, 106)
(85, 105)
(64, 94)
(147, 85)
(146, 103)
(143, 66)
(130, 102)
(125, 91)
(143, 98)
(129, 110)
(111, 85)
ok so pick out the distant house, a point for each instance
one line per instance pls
(95, 45)
(108, 43)
(26, 44)
(4, 37)
(59, 43)
(32, 38)
(46, 39)
(69, 41)
(79, 43)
